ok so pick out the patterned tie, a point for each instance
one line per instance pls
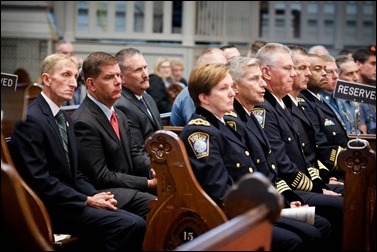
(60, 120)
(114, 123)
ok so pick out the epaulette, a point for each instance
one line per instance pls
(232, 114)
(199, 121)
(260, 114)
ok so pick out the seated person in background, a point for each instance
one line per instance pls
(255, 46)
(218, 154)
(49, 165)
(23, 77)
(230, 51)
(365, 58)
(159, 82)
(65, 47)
(140, 108)
(177, 71)
(183, 106)
(344, 109)
(318, 50)
(104, 140)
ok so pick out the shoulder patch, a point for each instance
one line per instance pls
(260, 114)
(199, 121)
(232, 124)
(231, 113)
(199, 142)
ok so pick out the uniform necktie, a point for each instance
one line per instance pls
(63, 132)
(114, 123)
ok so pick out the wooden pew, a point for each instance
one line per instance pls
(22, 230)
(371, 138)
(176, 129)
(183, 211)
(253, 205)
(165, 118)
(358, 161)
(24, 215)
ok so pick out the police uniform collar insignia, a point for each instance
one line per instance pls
(231, 113)
(299, 99)
(328, 122)
(199, 142)
(260, 114)
(199, 121)
(232, 124)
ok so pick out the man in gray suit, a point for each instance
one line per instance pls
(139, 107)
(106, 154)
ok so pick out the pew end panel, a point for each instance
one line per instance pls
(183, 210)
(358, 161)
(21, 228)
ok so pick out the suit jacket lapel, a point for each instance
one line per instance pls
(46, 110)
(154, 112)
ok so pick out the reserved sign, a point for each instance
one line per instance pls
(8, 81)
(354, 91)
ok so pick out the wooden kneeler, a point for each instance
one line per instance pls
(183, 210)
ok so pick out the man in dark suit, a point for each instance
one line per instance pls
(139, 107)
(46, 158)
(106, 154)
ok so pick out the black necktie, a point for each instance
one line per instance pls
(145, 105)
(60, 120)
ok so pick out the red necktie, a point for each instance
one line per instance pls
(114, 123)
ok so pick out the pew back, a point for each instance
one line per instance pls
(253, 205)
